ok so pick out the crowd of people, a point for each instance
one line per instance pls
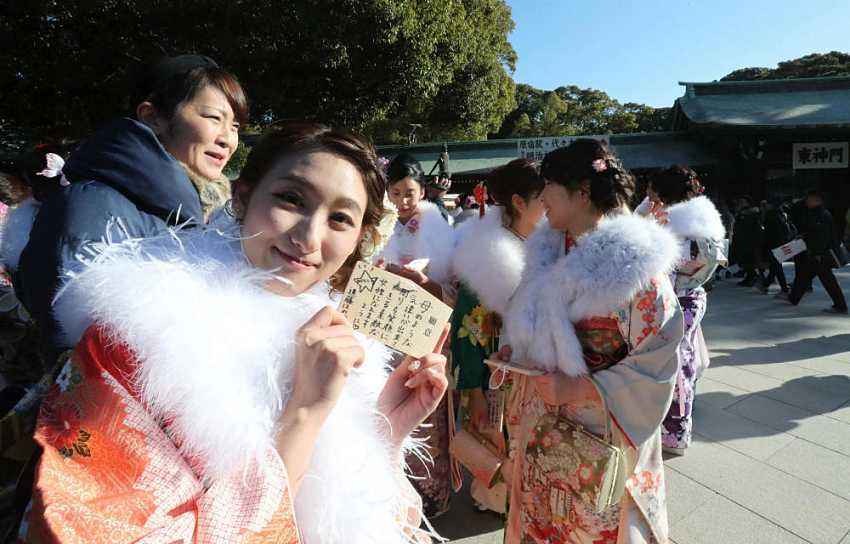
(179, 371)
(757, 230)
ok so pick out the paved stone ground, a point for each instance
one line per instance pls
(771, 458)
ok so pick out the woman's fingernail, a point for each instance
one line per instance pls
(408, 382)
(414, 366)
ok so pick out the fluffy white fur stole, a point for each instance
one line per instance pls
(604, 270)
(434, 240)
(15, 233)
(216, 354)
(695, 219)
(489, 259)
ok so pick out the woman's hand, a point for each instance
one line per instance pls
(412, 392)
(556, 389)
(325, 354)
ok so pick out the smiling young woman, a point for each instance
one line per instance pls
(217, 396)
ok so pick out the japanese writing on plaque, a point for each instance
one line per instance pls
(536, 148)
(393, 310)
(820, 155)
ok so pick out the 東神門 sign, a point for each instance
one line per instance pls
(536, 148)
(820, 155)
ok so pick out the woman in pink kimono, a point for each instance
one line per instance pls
(596, 311)
(215, 396)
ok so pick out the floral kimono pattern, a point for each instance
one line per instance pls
(615, 347)
(676, 431)
(698, 225)
(109, 473)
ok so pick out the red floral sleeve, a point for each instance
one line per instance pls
(110, 474)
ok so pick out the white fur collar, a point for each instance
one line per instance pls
(15, 234)
(216, 356)
(433, 239)
(604, 270)
(696, 218)
(489, 259)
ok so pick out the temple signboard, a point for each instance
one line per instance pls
(818, 155)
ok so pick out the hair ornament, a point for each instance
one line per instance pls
(599, 165)
(53, 168)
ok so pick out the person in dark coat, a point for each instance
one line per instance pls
(819, 234)
(778, 230)
(748, 242)
(132, 178)
(135, 177)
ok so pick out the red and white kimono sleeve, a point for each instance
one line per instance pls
(110, 474)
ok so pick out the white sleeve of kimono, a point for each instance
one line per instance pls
(638, 390)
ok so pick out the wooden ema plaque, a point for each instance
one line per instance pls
(394, 310)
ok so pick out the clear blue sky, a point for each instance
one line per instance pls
(638, 50)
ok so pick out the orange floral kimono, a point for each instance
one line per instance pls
(605, 310)
(109, 473)
(161, 426)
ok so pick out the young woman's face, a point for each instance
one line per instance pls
(304, 219)
(534, 208)
(406, 194)
(203, 133)
(563, 208)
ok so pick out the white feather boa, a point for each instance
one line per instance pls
(216, 355)
(15, 234)
(433, 240)
(695, 219)
(605, 269)
(489, 259)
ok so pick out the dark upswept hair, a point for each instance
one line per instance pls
(304, 137)
(168, 93)
(610, 184)
(403, 166)
(518, 177)
(675, 184)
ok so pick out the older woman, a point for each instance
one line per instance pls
(135, 173)
(216, 395)
(596, 312)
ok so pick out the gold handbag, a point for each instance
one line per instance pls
(570, 462)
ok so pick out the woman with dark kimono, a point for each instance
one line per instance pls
(596, 312)
(488, 262)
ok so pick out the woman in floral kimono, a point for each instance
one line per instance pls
(676, 202)
(421, 234)
(215, 395)
(596, 311)
(488, 262)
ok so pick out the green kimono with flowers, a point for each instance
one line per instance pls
(474, 338)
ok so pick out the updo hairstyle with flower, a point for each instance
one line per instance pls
(588, 164)
(676, 184)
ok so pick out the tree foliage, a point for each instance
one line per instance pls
(570, 110)
(373, 65)
(833, 63)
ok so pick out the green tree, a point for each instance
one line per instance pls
(571, 110)
(372, 65)
(834, 63)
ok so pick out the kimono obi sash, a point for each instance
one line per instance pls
(601, 342)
